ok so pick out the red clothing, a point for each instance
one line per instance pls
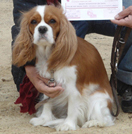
(52, 1)
(27, 97)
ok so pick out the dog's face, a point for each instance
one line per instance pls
(44, 24)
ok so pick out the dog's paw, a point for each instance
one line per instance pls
(93, 123)
(65, 127)
(37, 121)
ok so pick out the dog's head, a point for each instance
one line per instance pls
(45, 25)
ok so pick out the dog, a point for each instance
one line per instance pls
(87, 99)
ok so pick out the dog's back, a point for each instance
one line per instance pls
(90, 67)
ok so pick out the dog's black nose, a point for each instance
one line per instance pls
(43, 29)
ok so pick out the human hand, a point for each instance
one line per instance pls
(41, 83)
(124, 18)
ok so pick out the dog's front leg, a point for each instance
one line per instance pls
(45, 116)
(70, 122)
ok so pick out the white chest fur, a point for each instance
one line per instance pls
(63, 76)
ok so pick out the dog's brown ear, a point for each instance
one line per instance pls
(23, 48)
(65, 46)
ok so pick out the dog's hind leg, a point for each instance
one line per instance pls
(99, 113)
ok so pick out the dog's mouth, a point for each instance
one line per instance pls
(43, 37)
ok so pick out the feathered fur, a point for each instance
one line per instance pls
(87, 99)
(23, 48)
(65, 46)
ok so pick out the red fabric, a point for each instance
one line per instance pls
(52, 1)
(28, 95)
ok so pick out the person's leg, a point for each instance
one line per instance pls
(82, 27)
(104, 27)
(124, 74)
(125, 64)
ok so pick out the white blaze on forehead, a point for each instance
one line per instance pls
(40, 10)
(38, 38)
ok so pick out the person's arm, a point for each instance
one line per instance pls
(124, 18)
(40, 83)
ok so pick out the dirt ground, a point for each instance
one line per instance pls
(11, 120)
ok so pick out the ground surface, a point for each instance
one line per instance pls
(11, 120)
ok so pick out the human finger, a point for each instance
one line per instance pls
(45, 80)
(124, 22)
(124, 13)
(49, 91)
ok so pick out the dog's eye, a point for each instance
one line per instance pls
(52, 21)
(33, 22)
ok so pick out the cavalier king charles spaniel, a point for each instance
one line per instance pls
(87, 99)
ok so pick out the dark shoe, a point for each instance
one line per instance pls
(126, 103)
(125, 91)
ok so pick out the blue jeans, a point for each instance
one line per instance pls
(105, 27)
(124, 73)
